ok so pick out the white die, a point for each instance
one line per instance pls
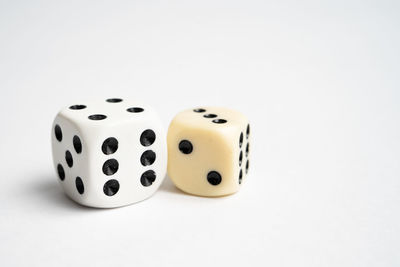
(109, 153)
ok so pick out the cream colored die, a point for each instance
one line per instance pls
(208, 151)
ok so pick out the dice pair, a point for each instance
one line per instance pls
(114, 153)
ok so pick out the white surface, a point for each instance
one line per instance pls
(127, 128)
(319, 82)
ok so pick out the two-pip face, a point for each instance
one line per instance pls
(208, 151)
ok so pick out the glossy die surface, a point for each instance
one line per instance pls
(109, 153)
(208, 151)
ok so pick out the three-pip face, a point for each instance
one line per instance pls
(109, 153)
(208, 151)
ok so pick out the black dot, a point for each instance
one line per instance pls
(148, 137)
(148, 178)
(58, 133)
(79, 185)
(110, 146)
(114, 100)
(219, 121)
(77, 107)
(240, 158)
(110, 167)
(60, 171)
(241, 140)
(135, 110)
(77, 144)
(97, 117)
(247, 166)
(199, 110)
(247, 149)
(111, 187)
(68, 159)
(214, 178)
(209, 116)
(185, 147)
(240, 176)
(248, 131)
(148, 157)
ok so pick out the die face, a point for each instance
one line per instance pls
(123, 159)
(243, 156)
(204, 150)
(109, 112)
(70, 158)
(210, 155)
(137, 166)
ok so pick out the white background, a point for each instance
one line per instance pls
(319, 81)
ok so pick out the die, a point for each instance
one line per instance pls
(109, 153)
(208, 151)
